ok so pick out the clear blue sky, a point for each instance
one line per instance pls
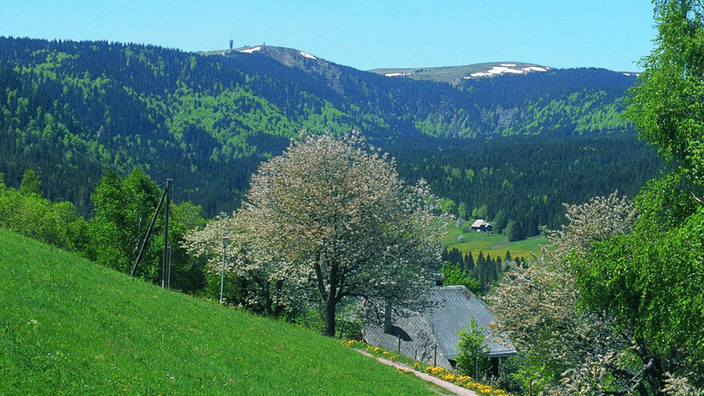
(365, 34)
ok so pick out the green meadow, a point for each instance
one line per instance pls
(71, 327)
(494, 244)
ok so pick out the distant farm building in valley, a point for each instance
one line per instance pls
(480, 225)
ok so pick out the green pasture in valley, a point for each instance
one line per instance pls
(494, 244)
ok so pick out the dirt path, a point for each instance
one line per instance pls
(458, 390)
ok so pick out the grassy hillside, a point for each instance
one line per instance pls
(70, 327)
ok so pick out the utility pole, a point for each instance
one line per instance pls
(165, 268)
(222, 276)
(168, 273)
(149, 230)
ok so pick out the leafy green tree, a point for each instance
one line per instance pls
(31, 183)
(26, 211)
(72, 229)
(665, 104)
(188, 274)
(515, 231)
(462, 210)
(453, 274)
(448, 206)
(500, 221)
(650, 279)
(123, 209)
(480, 212)
(473, 348)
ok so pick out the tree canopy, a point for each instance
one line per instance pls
(618, 307)
(668, 111)
(339, 225)
(570, 349)
(649, 280)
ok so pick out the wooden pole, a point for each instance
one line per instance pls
(165, 268)
(149, 232)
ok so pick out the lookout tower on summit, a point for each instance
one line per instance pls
(231, 43)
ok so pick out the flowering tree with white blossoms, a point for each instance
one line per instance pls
(342, 220)
(571, 351)
(332, 221)
(573, 348)
(272, 290)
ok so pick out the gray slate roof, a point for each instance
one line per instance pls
(422, 332)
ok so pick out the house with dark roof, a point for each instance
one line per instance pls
(431, 337)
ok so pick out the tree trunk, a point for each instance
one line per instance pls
(330, 316)
(331, 301)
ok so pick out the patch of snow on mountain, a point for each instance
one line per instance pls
(506, 68)
(509, 70)
(627, 74)
(395, 74)
(503, 69)
(535, 68)
(307, 55)
(250, 50)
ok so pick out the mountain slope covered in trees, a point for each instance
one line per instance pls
(70, 109)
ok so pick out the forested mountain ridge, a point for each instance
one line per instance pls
(68, 109)
(555, 101)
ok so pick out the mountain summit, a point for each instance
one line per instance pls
(456, 74)
(328, 72)
(288, 56)
(453, 75)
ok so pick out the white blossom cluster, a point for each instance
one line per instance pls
(572, 350)
(330, 220)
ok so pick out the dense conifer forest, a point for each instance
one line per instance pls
(511, 148)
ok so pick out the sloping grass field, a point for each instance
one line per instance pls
(71, 327)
